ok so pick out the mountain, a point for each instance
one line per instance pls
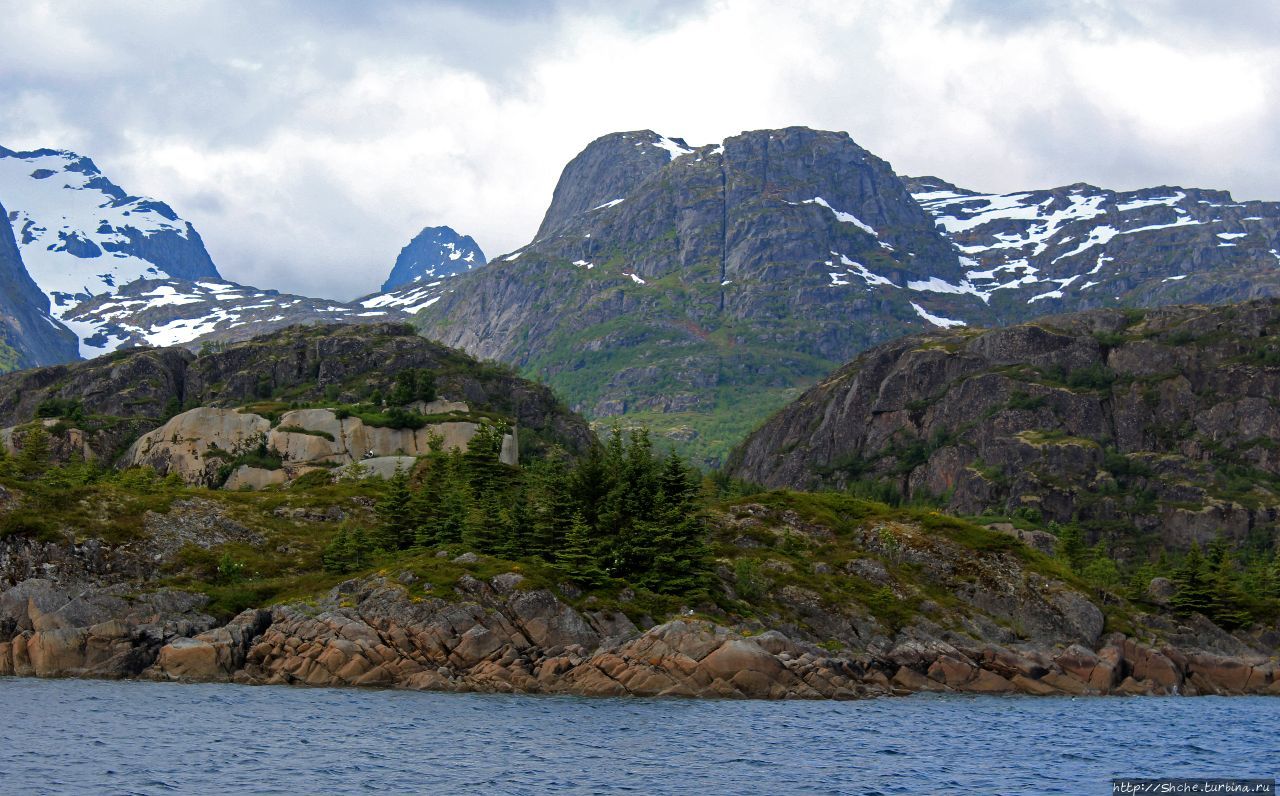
(696, 289)
(168, 312)
(29, 336)
(81, 235)
(1079, 247)
(1144, 426)
(125, 271)
(434, 253)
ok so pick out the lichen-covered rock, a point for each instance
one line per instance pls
(1094, 417)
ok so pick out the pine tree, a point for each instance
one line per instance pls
(1071, 546)
(1194, 592)
(33, 458)
(1228, 609)
(577, 560)
(550, 505)
(393, 511)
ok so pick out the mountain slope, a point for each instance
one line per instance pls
(1079, 247)
(29, 336)
(1158, 422)
(723, 277)
(167, 312)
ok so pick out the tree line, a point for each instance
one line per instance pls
(621, 511)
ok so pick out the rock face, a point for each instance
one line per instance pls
(435, 253)
(371, 633)
(29, 336)
(666, 278)
(1105, 416)
(342, 364)
(198, 444)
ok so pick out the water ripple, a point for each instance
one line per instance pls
(70, 736)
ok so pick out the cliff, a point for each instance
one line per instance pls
(1137, 424)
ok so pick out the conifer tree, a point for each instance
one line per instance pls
(1228, 608)
(393, 511)
(1071, 546)
(1194, 593)
(577, 559)
(33, 458)
(550, 504)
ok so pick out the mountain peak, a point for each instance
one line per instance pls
(81, 235)
(607, 170)
(434, 253)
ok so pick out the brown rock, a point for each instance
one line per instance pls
(190, 659)
(951, 671)
(987, 682)
(1067, 683)
(1028, 685)
(739, 655)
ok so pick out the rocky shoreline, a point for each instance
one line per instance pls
(499, 638)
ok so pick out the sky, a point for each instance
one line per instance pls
(309, 140)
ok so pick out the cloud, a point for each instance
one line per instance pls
(308, 141)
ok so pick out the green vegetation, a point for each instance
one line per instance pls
(622, 512)
(10, 359)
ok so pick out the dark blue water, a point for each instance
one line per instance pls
(72, 736)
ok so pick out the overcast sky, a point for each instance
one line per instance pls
(309, 140)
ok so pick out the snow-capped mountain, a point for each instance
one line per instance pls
(118, 270)
(167, 312)
(1080, 246)
(434, 253)
(82, 235)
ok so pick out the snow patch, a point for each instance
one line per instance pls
(936, 320)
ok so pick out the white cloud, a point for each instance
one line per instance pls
(308, 142)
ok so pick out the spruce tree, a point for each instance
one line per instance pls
(1071, 546)
(577, 560)
(1194, 593)
(681, 562)
(426, 506)
(393, 511)
(550, 505)
(1228, 609)
(33, 458)
(455, 500)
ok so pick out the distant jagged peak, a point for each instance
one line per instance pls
(434, 253)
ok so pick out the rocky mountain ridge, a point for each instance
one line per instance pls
(694, 289)
(297, 367)
(1139, 424)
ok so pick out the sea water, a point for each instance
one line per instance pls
(99, 737)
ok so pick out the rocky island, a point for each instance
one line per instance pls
(360, 506)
